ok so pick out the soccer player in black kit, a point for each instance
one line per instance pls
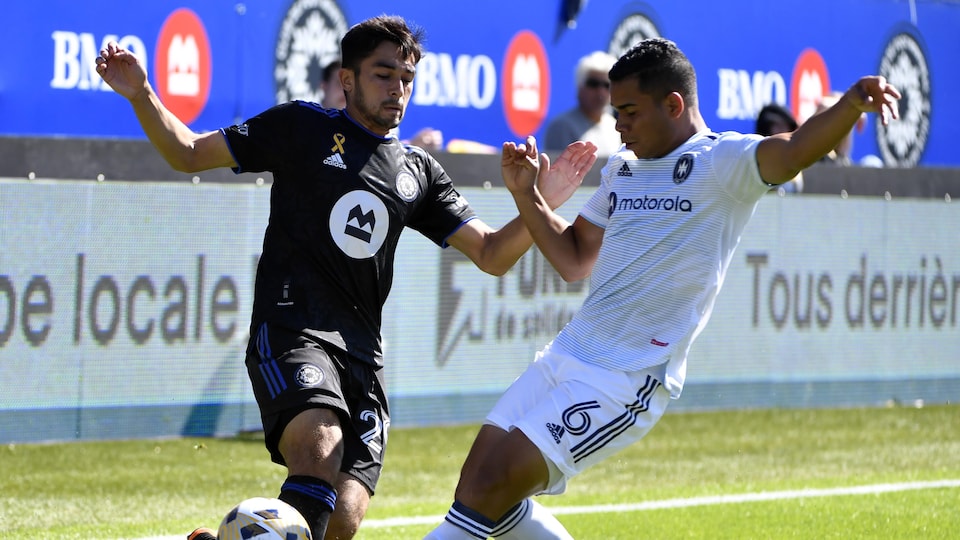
(343, 191)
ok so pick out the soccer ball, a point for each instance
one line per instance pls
(261, 518)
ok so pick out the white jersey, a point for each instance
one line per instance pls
(671, 226)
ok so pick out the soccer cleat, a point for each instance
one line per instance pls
(202, 533)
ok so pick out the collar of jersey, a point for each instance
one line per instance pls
(360, 126)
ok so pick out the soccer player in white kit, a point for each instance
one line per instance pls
(656, 240)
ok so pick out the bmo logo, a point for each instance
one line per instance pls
(526, 84)
(810, 82)
(183, 68)
(75, 58)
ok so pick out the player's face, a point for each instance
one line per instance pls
(377, 95)
(645, 123)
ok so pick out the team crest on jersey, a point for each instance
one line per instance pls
(904, 64)
(309, 375)
(407, 186)
(683, 168)
(309, 39)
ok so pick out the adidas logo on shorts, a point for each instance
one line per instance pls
(556, 431)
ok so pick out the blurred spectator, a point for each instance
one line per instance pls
(842, 155)
(591, 120)
(772, 119)
(427, 138)
(333, 96)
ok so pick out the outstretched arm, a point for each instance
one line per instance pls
(571, 248)
(780, 157)
(183, 149)
(496, 251)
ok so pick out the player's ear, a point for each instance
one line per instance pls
(347, 79)
(674, 104)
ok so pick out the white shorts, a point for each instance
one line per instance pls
(579, 414)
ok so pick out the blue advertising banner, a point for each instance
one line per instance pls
(491, 73)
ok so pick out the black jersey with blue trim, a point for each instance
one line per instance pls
(340, 199)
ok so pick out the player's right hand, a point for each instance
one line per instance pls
(519, 165)
(121, 69)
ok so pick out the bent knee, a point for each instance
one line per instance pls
(312, 444)
(504, 479)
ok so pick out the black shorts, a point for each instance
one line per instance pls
(292, 372)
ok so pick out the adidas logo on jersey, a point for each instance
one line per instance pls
(624, 171)
(556, 431)
(335, 161)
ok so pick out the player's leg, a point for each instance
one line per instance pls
(502, 469)
(312, 447)
(501, 473)
(594, 414)
(297, 385)
(353, 498)
(527, 521)
(297, 382)
(588, 415)
(364, 441)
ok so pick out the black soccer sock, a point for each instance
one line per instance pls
(314, 498)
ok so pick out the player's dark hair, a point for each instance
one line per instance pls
(659, 67)
(363, 38)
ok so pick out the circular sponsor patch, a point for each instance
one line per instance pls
(309, 375)
(631, 30)
(359, 224)
(183, 68)
(902, 141)
(407, 186)
(309, 40)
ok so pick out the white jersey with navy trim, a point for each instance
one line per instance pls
(671, 227)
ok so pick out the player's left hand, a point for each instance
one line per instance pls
(874, 94)
(558, 182)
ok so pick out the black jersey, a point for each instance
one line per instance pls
(340, 198)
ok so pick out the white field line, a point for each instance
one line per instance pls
(696, 501)
(675, 503)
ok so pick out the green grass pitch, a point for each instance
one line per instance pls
(165, 488)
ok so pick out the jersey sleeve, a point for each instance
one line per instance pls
(597, 208)
(735, 162)
(267, 140)
(443, 210)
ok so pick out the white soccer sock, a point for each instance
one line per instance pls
(529, 521)
(461, 523)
